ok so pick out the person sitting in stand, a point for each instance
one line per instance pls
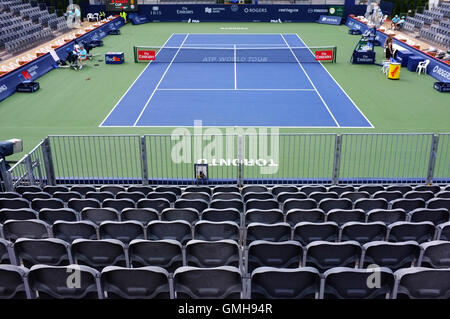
(400, 24)
(394, 21)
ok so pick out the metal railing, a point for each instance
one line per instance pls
(244, 157)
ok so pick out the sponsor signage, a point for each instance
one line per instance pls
(325, 55)
(146, 55)
(330, 20)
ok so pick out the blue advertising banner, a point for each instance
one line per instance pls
(38, 67)
(437, 69)
(334, 20)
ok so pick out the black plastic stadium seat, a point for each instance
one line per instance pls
(99, 215)
(157, 204)
(273, 283)
(340, 189)
(225, 204)
(284, 196)
(363, 232)
(221, 215)
(207, 254)
(171, 197)
(137, 283)
(36, 229)
(100, 196)
(212, 283)
(226, 189)
(307, 232)
(436, 216)
(69, 231)
(41, 195)
(299, 204)
(404, 231)
(226, 195)
(270, 216)
(276, 190)
(285, 254)
(142, 215)
(140, 188)
(295, 216)
(99, 253)
(207, 230)
(165, 253)
(124, 231)
(173, 189)
(196, 195)
(354, 196)
(342, 216)
(350, 283)
(177, 230)
(112, 189)
(269, 232)
(190, 215)
(197, 204)
(435, 254)
(370, 204)
(17, 214)
(134, 196)
(326, 255)
(328, 204)
(118, 204)
(387, 216)
(12, 281)
(83, 189)
(50, 251)
(311, 189)
(444, 231)
(51, 282)
(422, 283)
(392, 255)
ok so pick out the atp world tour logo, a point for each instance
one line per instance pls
(234, 8)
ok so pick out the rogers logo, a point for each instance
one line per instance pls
(444, 73)
(3, 88)
(255, 10)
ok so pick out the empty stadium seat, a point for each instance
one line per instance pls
(422, 283)
(166, 254)
(391, 255)
(274, 283)
(136, 283)
(285, 254)
(350, 283)
(212, 283)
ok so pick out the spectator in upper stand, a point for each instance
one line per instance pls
(401, 23)
(394, 22)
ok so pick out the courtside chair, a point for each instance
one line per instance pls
(422, 66)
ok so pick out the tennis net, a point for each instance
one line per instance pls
(156, 54)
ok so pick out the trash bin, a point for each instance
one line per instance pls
(394, 70)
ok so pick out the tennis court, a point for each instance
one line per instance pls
(247, 80)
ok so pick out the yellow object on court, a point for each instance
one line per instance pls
(394, 71)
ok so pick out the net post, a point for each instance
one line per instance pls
(135, 54)
(334, 54)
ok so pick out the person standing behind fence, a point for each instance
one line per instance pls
(388, 46)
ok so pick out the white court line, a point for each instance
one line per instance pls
(320, 96)
(160, 80)
(371, 125)
(235, 73)
(186, 89)
(140, 74)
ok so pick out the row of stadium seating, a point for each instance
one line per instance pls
(171, 254)
(304, 233)
(221, 282)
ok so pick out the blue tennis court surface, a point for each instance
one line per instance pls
(177, 91)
